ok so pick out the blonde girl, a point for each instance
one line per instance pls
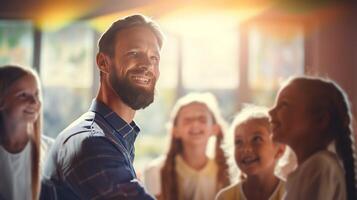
(186, 172)
(20, 133)
(310, 115)
(256, 156)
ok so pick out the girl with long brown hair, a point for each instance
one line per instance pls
(186, 171)
(313, 117)
(20, 133)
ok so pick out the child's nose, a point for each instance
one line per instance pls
(247, 148)
(195, 123)
(34, 100)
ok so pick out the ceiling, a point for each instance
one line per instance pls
(59, 12)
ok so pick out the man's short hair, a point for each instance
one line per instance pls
(107, 41)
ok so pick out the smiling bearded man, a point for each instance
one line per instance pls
(93, 157)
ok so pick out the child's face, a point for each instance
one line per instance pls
(194, 125)
(255, 153)
(21, 103)
(290, 117)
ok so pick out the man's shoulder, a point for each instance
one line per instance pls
(85, 129)
(85, 126)
(84, 137)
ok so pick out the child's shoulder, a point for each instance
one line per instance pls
(229, 192)
(154, 166)
(320, 175)
(322, 160)
(322, 164)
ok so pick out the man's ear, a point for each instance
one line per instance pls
(103, 62)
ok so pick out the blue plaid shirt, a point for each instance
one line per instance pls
(92, 159)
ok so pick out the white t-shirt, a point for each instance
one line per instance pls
(193, 184)
(152, 176)
(15, 174)
(320, 177)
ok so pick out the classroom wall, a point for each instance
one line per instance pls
(331, 51)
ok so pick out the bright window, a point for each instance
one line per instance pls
(275, 54)
(16, 42)
(67, 74)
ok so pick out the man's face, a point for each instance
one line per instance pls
(135, 66)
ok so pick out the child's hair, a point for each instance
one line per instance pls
(9, 74)
(325, 96)
(169, 182)
(249, 113)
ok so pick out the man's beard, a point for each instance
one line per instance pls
(133, 96)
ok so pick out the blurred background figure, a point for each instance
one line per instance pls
(20, 133)
(186, 171)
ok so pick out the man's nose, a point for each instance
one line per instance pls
(146, 61)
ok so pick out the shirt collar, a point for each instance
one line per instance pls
(114, 120)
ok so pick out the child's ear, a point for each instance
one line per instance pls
(280, 150)
(103, 62)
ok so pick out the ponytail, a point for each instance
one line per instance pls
(344, 141)
(344, 147)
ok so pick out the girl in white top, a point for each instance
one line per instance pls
(186, 172)
(309, 115)
(20, 133)
(256, 155)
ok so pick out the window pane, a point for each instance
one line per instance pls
(169, 63)
(275, 53)
(67, 74)
(210, 61)
(16, 42)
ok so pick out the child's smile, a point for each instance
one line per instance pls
(249, 160)
(254, 150)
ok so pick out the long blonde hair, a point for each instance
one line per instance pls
(169, 182)
(9, 74)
